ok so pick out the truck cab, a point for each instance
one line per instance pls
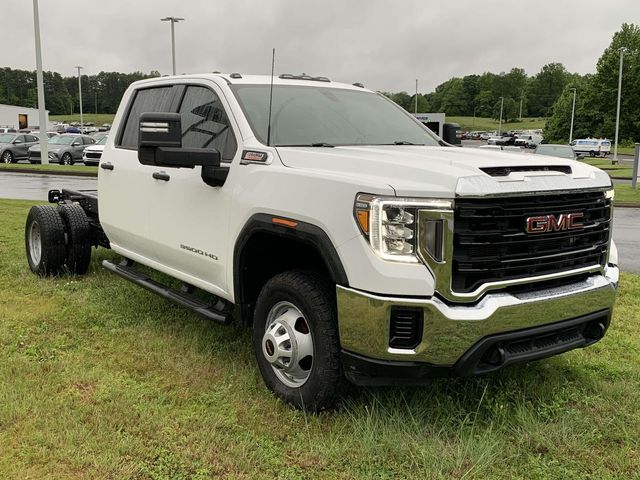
(353, 241)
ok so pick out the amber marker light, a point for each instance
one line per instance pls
(284, 222)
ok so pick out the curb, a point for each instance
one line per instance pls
(49, 172)
(626, 205)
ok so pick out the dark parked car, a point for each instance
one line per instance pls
(63, 149)
(14, 146)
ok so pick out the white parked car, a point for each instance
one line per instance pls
(91, 155)
(592, 146)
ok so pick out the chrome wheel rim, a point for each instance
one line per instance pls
(35, 243)
(287, 344)
(66, 160)
(6, 157)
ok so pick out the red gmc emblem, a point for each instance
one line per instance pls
(553, 223)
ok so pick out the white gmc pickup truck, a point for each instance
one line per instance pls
(354, 242)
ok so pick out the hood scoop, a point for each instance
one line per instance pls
(506, 171)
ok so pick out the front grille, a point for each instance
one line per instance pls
(93, 154)
(491, 244)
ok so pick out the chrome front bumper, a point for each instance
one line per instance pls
(450, 330)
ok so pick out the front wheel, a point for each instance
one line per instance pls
(7, 157)
(295, 338)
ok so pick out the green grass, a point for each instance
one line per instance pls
(617, 171)
(54, 167)
(97, 118)
(490, 125)
(626, 194)
(102, 379)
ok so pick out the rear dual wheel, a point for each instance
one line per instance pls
(57, 240)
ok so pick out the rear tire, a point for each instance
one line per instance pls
(78, 238)
(44, 240)
(296, 342)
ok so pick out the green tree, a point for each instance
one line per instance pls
(545, 88)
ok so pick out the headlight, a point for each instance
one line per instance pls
(390, 224)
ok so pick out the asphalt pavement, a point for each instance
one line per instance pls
(36, 186)
(626, 223)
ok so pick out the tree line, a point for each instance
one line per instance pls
(101, 93)
(549, 93)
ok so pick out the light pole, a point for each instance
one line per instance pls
(416, 107)
(80, 95)
(573, 113)
(521, 99)
(615, 144)
(500, 124)
(44, 151)
(173, 21)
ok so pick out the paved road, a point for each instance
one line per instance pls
(35, 187)
(626, 230)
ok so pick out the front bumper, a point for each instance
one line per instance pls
(452, 331)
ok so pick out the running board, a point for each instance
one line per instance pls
(184, 299)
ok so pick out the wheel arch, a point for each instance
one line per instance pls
(297, 245)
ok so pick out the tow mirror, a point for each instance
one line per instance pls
(160, 144)
(450, 133)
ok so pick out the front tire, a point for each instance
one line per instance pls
(296, 342)
(7, 157)
(44, 240)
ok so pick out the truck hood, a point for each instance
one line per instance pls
(446, 171)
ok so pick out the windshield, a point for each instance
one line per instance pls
(7, 137)
(61, 140)
(102, 141)
(320, 116)
(562, 151)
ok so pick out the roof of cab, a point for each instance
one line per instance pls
(241, 79)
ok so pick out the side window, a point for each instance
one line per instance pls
(147, 100)
(205, 123)
(31, 139)
(21, 138)
(89, 141)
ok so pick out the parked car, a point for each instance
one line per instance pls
(91, 155)
(97, 136)
(63, 149)
(528, 140)
(14, 146)
(592, 146)
(560, 151)
(502, 140)
(7, 130)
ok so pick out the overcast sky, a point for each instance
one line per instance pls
(384, 44)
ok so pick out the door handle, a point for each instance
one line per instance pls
(106, 166)
(161, 176)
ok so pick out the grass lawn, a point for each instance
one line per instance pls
(626, 194)
(102, 379)
(489, 124)
(97, 118)
(54, 167)
(618, 171)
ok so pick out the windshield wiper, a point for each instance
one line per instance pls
(322, 144)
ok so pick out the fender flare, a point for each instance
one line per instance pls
(303, 232)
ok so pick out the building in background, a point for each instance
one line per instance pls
(20, 117)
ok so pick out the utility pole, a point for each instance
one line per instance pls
(80, 96)
(500, 124)
(615, 145)
(95, 100)
(521, 98)
(416, 108)
(573, 113)
(173, 21)
(44, 151)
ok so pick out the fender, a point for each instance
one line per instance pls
(306, 233)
